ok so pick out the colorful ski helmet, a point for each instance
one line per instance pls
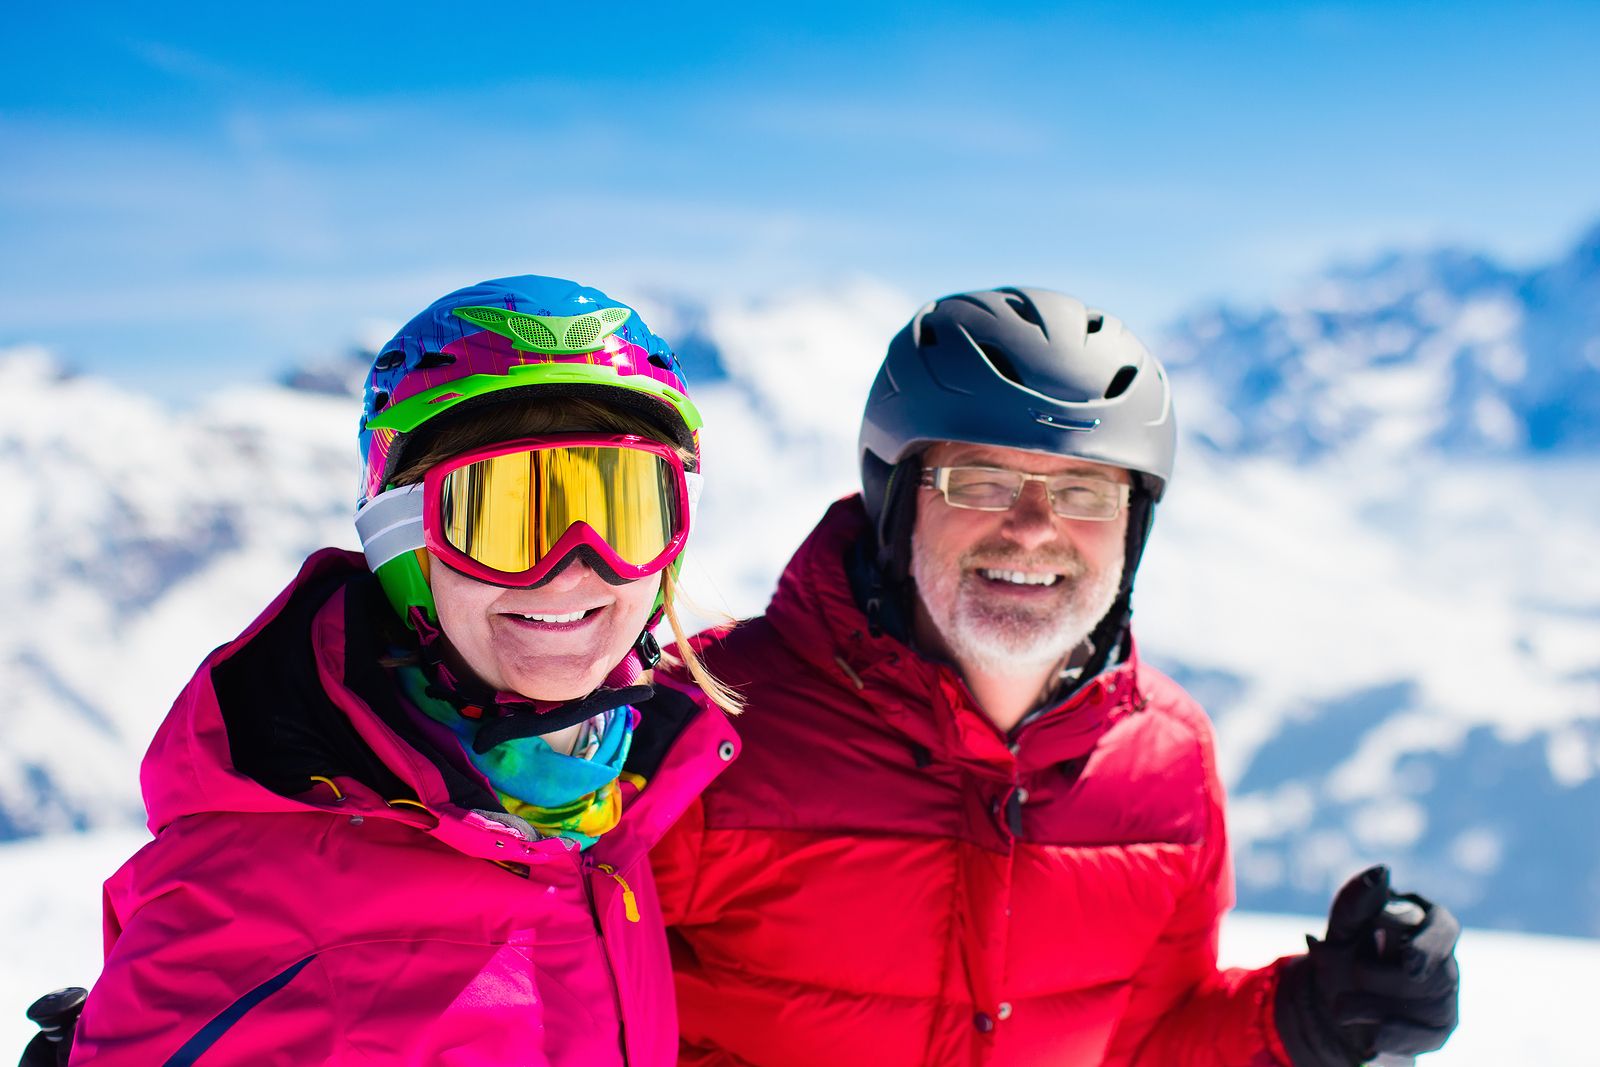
(503, 340)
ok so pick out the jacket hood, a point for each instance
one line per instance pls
(274, 665)
(814, 610)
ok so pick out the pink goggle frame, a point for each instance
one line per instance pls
(509, 513)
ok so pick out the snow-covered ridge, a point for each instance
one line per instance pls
(1441, 349)
(1398, 633)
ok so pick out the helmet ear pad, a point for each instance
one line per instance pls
(876, 476)
(406, 582)
(897, 518)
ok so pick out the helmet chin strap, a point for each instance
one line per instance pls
(476, 700)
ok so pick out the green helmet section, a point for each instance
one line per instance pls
(556, 335)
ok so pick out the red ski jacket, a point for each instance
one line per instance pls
(884, 878)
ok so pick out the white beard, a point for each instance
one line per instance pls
(998, 638)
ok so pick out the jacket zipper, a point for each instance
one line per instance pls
(630, 903)
(631, 907)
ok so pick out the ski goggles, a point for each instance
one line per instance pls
(510, 513)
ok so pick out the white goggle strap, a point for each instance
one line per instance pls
(694, 483)
(390, 524)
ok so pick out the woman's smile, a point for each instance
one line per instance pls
(556, 642)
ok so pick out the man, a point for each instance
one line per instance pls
(969, 825)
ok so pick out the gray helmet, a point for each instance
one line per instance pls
(1019, 368)
(1014, 368)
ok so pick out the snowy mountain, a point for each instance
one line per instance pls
(1402, 469)
(1440, 350)
(135, 540)
(1374, 566)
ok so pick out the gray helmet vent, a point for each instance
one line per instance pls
(1120, 382)
(1026, 310)
(1000, 362)
(1096, 320)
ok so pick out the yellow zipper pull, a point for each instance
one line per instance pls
(630, 903)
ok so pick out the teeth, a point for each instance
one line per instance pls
(1019, 577)
(570, 617)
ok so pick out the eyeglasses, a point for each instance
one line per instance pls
(1072, 496)
(509, 513)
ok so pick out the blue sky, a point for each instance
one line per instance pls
(188, 194)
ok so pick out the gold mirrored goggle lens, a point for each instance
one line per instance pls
(507, 511)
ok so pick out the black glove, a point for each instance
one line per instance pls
(1384, 979)
(57, 1016)
(41, 1052)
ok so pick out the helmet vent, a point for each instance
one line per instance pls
(583, 333)
(389, 360)
(380, 400)
(530, 331)
(659, 360)
(926, 337)
(1096, 320)
(1024, 308)
(1120, 381)
(1001, 362)
(435, 360)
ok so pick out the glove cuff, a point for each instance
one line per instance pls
(1309, 1037)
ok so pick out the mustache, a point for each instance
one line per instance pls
(1007, 557)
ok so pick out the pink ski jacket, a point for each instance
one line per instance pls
(886, 880)
(327, 884)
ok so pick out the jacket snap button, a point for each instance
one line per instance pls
(1003, 1012)
(983, 1022)
(725, 751)
(357, 820)
(1022, 795)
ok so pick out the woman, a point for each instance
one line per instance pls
(404, 819)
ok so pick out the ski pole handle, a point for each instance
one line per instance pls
(56, 1015)
(1397, 924)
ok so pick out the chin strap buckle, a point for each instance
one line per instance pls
(648, 649)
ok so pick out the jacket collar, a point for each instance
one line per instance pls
(297, 714)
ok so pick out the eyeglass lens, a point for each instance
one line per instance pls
(1071, 495)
